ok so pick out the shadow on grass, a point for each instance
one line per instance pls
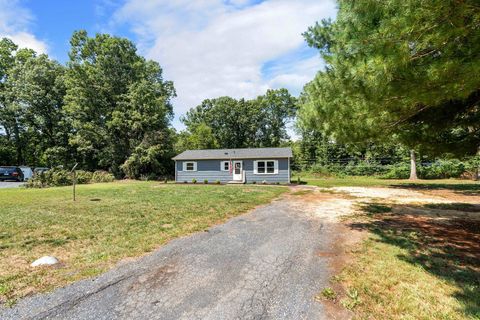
(446, 248)
(469, 189)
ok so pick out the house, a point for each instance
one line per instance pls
(253, 165)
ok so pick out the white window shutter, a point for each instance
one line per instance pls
(276, 166)
(255, 167)
(184, 166)
(222, 166)
(195, 166)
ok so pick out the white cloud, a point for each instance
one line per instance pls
(15, 21)
(27, 40)
(212, 48)
(296, 76)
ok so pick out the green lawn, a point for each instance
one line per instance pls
(329, 182)
(108, 222)
(414, 267)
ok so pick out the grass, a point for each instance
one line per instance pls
(464, 186)
(107, 223)
(414, 267)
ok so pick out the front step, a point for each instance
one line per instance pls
(235, 182)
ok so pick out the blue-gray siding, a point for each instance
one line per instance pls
(210, 170)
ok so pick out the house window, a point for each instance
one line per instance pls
(225, 165)
(270, 167)
(266, 167)
(190, 166)
(261, 167)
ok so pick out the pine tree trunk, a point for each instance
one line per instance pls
(413, 166)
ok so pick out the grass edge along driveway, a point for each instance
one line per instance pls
(108, 223)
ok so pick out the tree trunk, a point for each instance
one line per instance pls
(476, 172)
(413, 166)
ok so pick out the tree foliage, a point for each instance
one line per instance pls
(31, 107)
(407, 71)
(108, 108)
(230, 123)
(116, 100)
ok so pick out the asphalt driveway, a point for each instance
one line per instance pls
(263, 265)
(10, 184)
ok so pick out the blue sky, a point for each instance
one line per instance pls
(209, 48)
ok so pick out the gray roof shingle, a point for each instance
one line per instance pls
(248, 153)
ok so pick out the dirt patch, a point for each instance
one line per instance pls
(391, 194)
(440, 228)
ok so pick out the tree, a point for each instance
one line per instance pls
(200, 137)
(260, 122)
(37, 85)
(406, 71)
(274, 110)
(117, 102)
(31, 106)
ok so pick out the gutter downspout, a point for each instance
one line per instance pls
(175, 171)
(289, 176)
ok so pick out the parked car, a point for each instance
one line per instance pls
(39, 170)
(27, 173)
(11, 173)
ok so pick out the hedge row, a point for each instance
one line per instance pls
(441, 169)
(61, 177)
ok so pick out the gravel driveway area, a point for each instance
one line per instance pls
(10, 184)
(263, 265)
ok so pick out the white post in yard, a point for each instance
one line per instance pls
(74, 180)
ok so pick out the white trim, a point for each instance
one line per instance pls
(176, 170)
(185, 166)
(275, 167)
(235, 176)
(289, 177)
(222, 165)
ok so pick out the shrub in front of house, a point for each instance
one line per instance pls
(217, 181)
(205, 181)
(194, 181)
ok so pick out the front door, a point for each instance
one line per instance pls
(237, 171)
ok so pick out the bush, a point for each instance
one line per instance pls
(102, 176)
(398, 171)
(362, 168)
(443, 169)
(83, 177)
(194, 181)
(205, 181)
(217, 181)
(56, 177)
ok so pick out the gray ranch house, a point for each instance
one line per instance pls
(269, 165)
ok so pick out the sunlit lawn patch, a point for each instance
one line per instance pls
(107, 223)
